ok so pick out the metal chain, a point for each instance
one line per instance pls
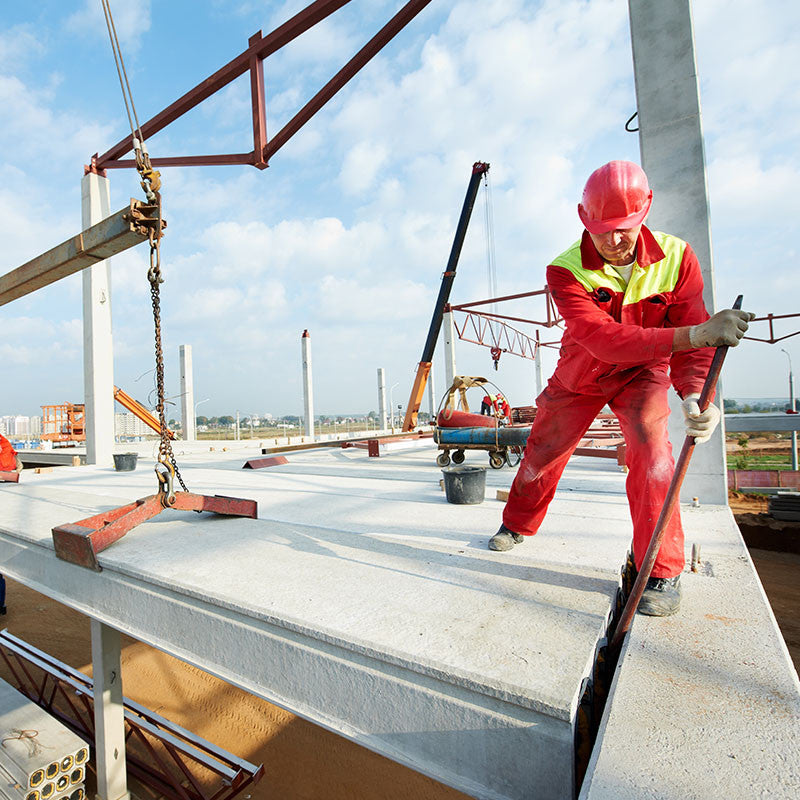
(165, 454)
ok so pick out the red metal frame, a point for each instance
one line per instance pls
(489, 329)
(251, 60)
(164, 756)
(772, 338)
(80, 542)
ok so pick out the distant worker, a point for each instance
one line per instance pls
(632, 301)
(9, 460)
(486, 405)
(501, 407)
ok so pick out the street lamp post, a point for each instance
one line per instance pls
(391, 404)
(204, 400)
(793, 408)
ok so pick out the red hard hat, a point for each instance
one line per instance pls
(616, 195)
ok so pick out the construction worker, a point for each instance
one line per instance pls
(501, 407)
(9, 460)
(632, 301)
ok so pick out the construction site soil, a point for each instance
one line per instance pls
(303, 761)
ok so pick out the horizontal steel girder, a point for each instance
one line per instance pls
(126, 228)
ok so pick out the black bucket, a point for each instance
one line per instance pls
(125, 462)
(464, 485)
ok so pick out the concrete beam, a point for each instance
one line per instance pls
(704, 704)
(126, 228)
(762, 422)
(426, 677)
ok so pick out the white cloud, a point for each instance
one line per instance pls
(131, 21)
(349, 301)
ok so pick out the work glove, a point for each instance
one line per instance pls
(725, 327)
(700, 424)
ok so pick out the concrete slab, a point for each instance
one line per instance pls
(360, 599)
(705, 704)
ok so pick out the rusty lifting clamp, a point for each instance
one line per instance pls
(80, 542)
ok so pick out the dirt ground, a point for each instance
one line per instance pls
(301, 760)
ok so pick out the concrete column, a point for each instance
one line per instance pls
(792, 407)
(98, 352)
(187, 394)
(382, 398)
(449, 333)
(108, 714)
(431, 395)
(537, 363)
(308, 390)
(672, 152)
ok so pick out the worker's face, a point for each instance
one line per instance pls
(617, 247)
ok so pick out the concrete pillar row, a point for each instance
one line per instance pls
(449, 333)
(187, 394)
(382, 398)
(98, 351)
(308, 389)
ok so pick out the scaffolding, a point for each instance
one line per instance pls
(64, 423)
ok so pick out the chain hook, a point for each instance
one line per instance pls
(165, 473)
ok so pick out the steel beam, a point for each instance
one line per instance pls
(128, 227)
(259, 47)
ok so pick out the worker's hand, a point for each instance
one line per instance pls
(18, 464)
(724, 328)
(700, 424)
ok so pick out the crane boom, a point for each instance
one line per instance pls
(479, 169)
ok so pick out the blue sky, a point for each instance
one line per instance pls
(347, 232)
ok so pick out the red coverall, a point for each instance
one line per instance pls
(617, 349)
(8, 456)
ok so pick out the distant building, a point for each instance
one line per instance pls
(128, 426)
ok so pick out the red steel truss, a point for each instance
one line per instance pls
(770, 318)
(490, 329)
(166, 757)
(251, 60)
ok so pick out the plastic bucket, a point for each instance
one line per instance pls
(464, 485)
(125, 462)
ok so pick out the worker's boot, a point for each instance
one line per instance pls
(505, 539)
(661, 597)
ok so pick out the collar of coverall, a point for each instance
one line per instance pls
(647, 251)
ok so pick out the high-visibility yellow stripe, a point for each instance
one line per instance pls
(659, 277)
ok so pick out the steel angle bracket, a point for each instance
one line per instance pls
(80, 542)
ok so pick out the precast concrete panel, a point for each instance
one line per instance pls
(362, 601)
